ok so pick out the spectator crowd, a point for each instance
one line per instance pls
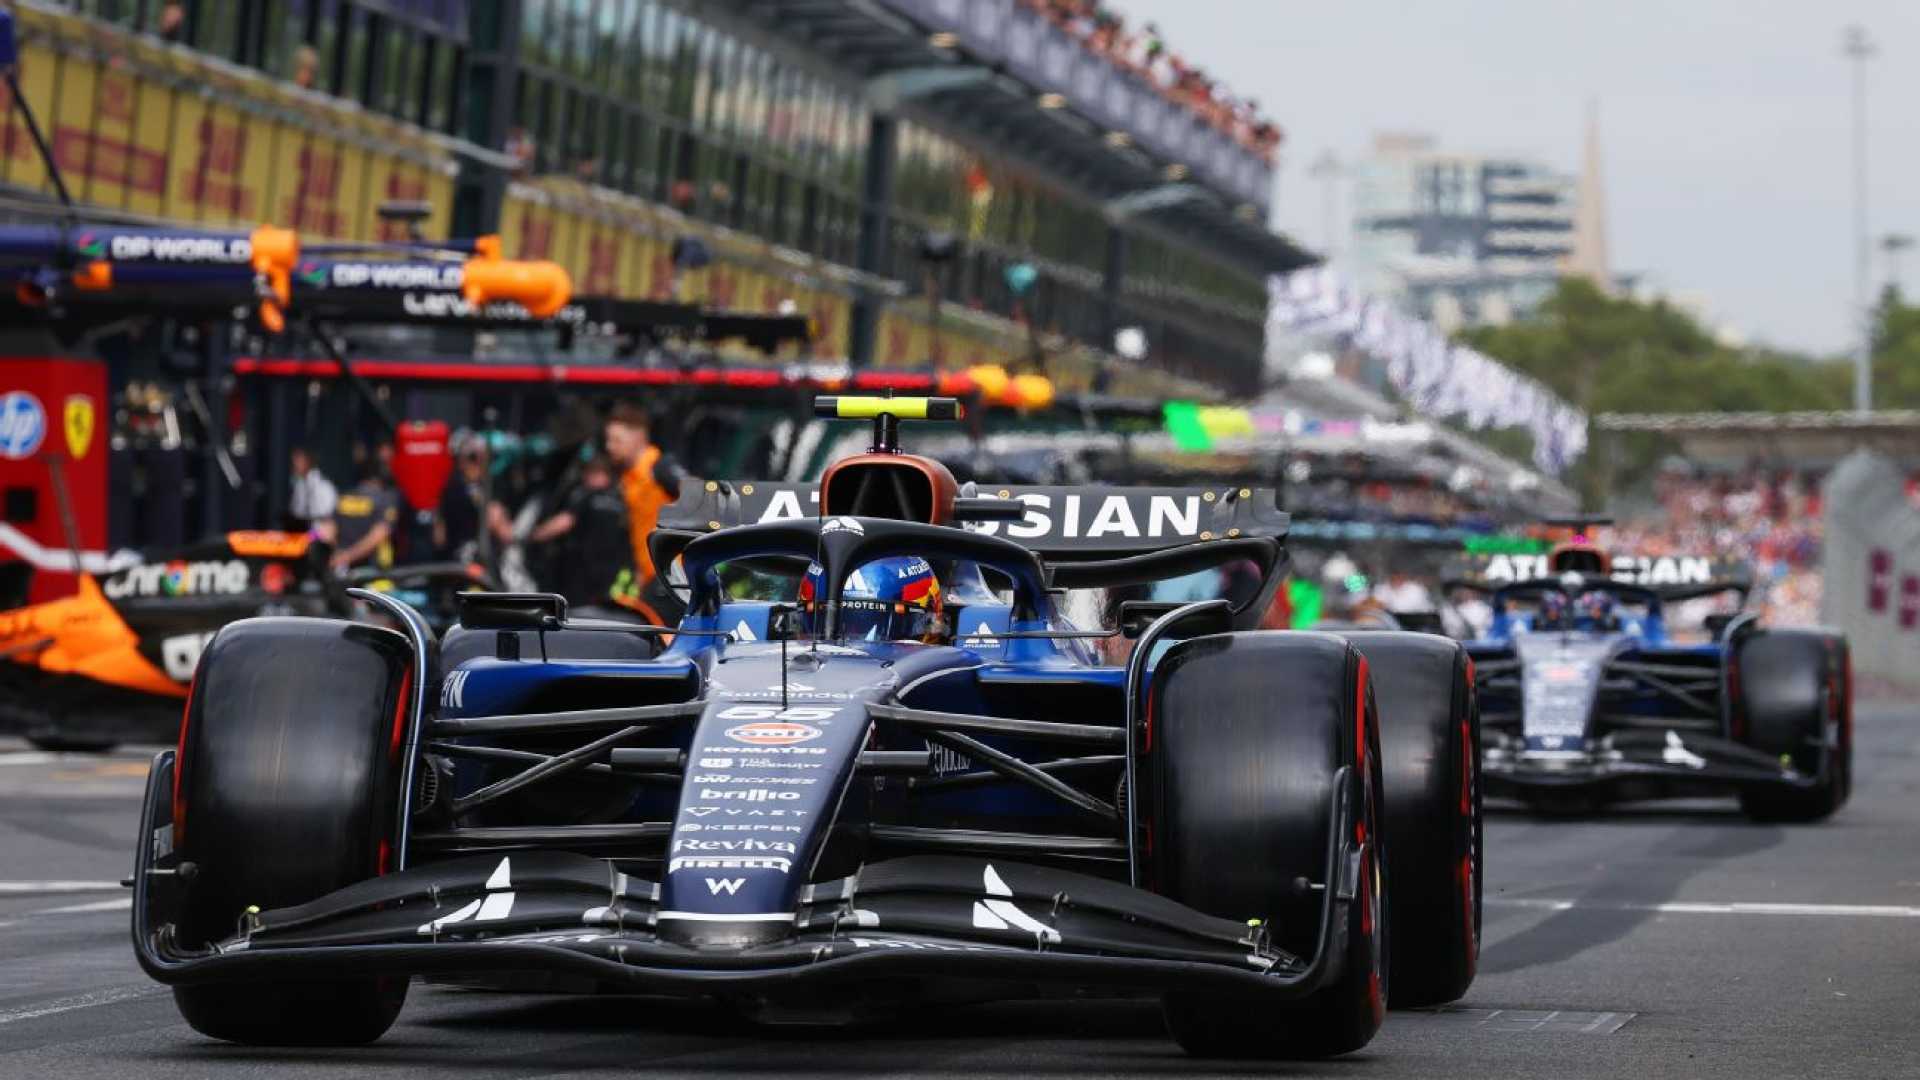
(1145, 53)
(1769, 519)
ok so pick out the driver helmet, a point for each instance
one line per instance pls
(1601, 609)
(885, 600)
(1554, 611)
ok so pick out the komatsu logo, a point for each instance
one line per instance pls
(129, 247)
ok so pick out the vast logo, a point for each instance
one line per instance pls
(180, 578)
(773, 733)
(23, 425)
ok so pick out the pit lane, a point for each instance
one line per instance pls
(1656, 940)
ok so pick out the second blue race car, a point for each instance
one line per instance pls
(1586, 698)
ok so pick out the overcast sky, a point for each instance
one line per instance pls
(1725, 123)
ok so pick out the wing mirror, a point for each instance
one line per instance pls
(1137, 615)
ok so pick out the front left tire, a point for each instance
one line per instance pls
(288, 776)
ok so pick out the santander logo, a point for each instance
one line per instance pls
(773, 733)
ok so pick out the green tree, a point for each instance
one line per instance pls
(1896, 352)
(1617, 354)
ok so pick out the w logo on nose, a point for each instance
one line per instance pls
(730, 886)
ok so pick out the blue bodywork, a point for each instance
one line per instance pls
(770, 761)
(1579, 704)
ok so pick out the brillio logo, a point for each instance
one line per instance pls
(773, 733)
(747, 795)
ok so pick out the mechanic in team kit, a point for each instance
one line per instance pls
(649, 480)
(365, 520)
(591, 537)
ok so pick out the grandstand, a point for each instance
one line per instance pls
(844, 160)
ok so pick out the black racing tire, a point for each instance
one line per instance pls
(1430, 755)
(1796, 697)
(1246, 733)
(288, 778)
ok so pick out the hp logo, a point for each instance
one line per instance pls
(23, 424)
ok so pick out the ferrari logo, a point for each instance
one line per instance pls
(79, 425)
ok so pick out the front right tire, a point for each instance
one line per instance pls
(1796, 690)
(1245, 735)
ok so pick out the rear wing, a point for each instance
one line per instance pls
(1061, 523)
(1671, 577)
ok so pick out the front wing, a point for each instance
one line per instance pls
(959, 919)
(1637, 763)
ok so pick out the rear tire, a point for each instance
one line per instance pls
(1430, 755)
(1795, 687)
(1241, 785)
(288, 779)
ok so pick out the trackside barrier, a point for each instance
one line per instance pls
(1870, 566)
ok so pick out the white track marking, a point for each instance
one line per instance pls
(28, 757)
(1682, 907)
(124, 903)
(50, 888)
(113, 996)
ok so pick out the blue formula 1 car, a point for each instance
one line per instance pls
(1586, 699)
(903, 779)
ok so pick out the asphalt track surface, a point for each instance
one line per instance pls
(1660, 940)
